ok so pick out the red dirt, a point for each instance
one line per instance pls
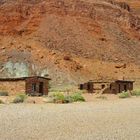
(96, 35)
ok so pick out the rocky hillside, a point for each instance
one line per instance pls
(71, 40)
(134, 4)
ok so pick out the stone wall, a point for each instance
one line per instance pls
(13, 87)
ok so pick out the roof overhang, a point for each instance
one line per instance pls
(22, 78)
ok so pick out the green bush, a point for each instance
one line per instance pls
(124, 95)
(3, 93)
(58, 98)
(77, 97)
(1, 102)
(68, 99)
(136, 92)
(20, 98)
(61, 98)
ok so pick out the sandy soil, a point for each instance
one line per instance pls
(103, 120)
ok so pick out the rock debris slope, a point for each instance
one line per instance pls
(71, 40)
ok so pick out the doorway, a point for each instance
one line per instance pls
(119, 88)
(103, 86)
(81, 87)
(125, 88)
(41, 88)
(90, 87)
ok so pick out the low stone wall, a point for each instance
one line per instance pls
(13, 87)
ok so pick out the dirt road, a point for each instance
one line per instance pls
(104, 120)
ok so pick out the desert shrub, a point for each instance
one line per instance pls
(3, 93)
(20, 98)
(77, 97)
(58, 98)
(61, 98)
(102, 97)
(68, 99)
(124, 95)
(135, 92)
(1, 102)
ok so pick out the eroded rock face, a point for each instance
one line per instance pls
(36, 37)
(123, 5)
(25, 16)
(16, 69)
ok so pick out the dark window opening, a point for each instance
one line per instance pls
(81, 86)
(125, 88)
(103, 86)
(41, 86)
(88, 86)
(110, 87)
(119, 88)
(34, 87)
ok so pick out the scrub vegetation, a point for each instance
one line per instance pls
(124, 95)
(3, 93)
(136, 92)
(61, 98)
(20, 98)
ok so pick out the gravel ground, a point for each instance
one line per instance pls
(104, 120)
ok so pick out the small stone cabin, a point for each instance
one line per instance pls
(112, 87)
(35, 86)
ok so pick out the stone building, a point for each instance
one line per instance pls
(112, 87)
(35, 86)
